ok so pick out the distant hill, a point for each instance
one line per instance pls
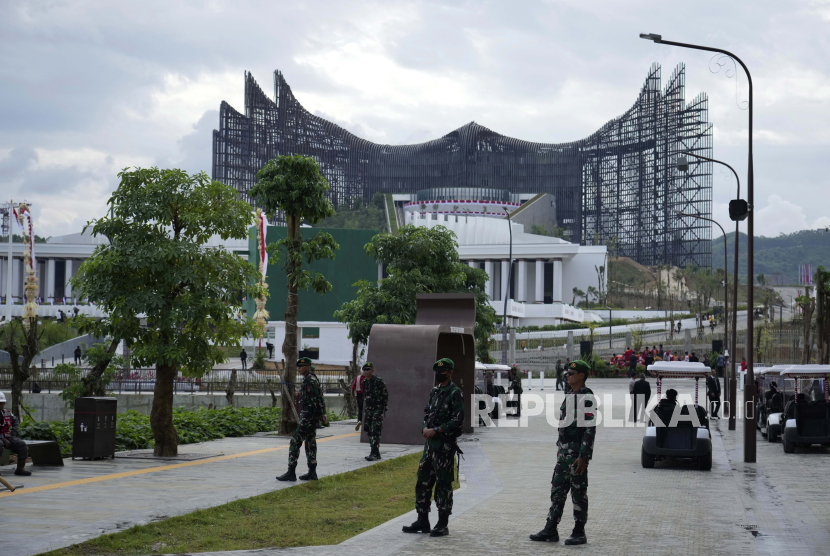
(777, 258)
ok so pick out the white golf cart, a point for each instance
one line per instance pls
(684, 439)
(770, 403)
(806, 417)
(481, 386)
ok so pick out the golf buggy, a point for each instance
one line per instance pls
(770, 402)
(493, 390)
(806, 417)
(685, 439)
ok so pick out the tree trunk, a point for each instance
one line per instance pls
(808, 341)
(288, 423)
(161, 416)
(231, 389)
(20, 370)
(92, 382)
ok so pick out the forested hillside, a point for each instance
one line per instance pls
(777, 255)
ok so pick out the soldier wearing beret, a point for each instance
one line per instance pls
(576, 446)
(375, 401)
(313, 409)
(443, 417)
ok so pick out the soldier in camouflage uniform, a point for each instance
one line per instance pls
(515, 380)
(443, 417)
(576, 446)
(375, 398)
(313, 408)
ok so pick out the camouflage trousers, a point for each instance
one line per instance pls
(373, 425)
(565, 480)
(437, 470)
(306, 432)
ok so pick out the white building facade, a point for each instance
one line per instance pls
(546, 269)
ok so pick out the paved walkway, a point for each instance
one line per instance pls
(736, 508)
(60, 506)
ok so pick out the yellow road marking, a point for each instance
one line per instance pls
(113, 476)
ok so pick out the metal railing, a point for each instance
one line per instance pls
(142, 381)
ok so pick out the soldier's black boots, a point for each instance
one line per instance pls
(440, 529)
(420, 526)
(311, 475)
(21, 471)
(374, 455)
(288, 475)
(577, 535)
(548, 534)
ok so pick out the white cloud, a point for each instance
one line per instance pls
(780, 216)
(94, 86)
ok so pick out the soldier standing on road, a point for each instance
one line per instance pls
(375, 403)
(576, 447)
(444, 415)
(559, 371)
(516, 386)
(313, 409)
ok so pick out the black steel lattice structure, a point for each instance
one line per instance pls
(620, 182)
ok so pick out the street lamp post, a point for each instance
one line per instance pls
(750, 438)
(683, 166)
(506, 294)
(733, 382)
(610, 318)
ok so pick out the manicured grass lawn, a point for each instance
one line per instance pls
(327, 511)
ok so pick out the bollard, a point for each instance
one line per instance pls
(530, 380)
(542, 379)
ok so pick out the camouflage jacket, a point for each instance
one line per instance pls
(311, 397)
(375, 395)
(445, 409)
(575, 439)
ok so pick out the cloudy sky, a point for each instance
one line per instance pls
(90, 87)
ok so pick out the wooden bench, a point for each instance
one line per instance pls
(41, 452)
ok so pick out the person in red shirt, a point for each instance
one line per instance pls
(357, 390)
(627, 354)
(743, 364)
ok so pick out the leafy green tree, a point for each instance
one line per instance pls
(418, 260)
(79, 385)
(294, 186)
(20, 341)
(156, 266)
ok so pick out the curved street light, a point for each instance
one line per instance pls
(733, 382)
(683, 166)
(750, 438)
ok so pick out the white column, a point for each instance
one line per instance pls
(488, 287)
(521, 284)
(4, 269)
(557, 280)
(472, 263)
(17, 277)
(505, 281)
(50, 280)
(540, 281)
(67, 275)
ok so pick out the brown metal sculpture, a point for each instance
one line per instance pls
(403, 355)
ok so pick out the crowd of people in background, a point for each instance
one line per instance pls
(630, 360)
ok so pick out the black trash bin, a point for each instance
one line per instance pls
(94, 431)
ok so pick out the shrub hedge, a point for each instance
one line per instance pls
(133, 430)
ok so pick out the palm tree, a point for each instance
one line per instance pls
(592, 292)
(577, 294)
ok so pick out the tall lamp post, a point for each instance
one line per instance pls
(683, 166)
(610, 319)
(732, 379)
(506, 294)
(738, 208)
